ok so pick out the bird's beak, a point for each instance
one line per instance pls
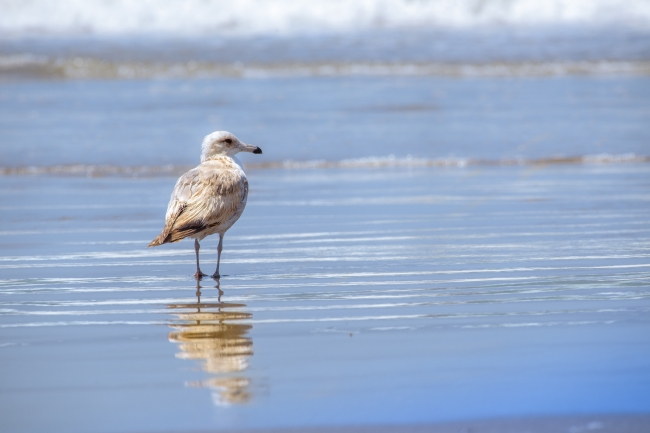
(250, 148)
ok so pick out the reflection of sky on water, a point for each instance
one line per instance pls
(210, 332)
(475, 292)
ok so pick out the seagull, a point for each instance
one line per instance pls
(210, 198)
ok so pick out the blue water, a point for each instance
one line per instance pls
(513, 282)
(144, 122)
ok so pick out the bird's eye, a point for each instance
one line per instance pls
(228, 140)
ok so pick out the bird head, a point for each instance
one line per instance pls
(223, 143)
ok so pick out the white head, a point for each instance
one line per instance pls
(223, 143)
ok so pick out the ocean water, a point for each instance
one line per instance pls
(106, 39)
(157, 123)
(448, 230)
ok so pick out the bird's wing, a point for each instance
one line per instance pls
(185, 187)
(203, 197)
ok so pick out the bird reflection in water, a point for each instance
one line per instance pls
(213, 335)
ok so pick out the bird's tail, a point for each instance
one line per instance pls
(160, 239)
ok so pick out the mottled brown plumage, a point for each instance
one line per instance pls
(206, 200)
(210, 198)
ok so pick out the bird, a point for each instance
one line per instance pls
(209, 198)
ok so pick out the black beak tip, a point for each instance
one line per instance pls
(257, 150)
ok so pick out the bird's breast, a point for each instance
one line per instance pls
(225, 189)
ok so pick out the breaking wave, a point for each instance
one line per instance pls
(390, 161)
(255, 17)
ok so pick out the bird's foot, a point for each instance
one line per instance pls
(216, 276)
(198, 275)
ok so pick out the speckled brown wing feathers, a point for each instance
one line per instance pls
(204, 198)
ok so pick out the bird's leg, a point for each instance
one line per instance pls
(198, 299)
(220, 291)
(198, 275)
(219, 248)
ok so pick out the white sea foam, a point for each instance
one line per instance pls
(410, 161)
(246, 17)
(11, 61)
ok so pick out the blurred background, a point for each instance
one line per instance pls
(450, 222)
(135, 82)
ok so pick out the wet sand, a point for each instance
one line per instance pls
(351, 297)
(599, 423)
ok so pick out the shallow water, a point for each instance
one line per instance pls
(154, 123)
(351, 297)
(450, 220)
